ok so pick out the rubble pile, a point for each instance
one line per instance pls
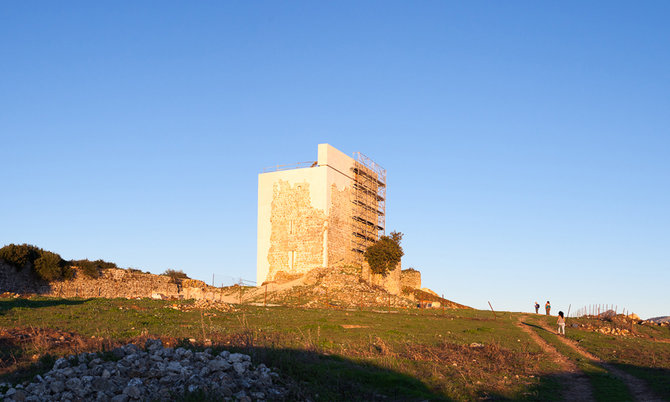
(660, 321)
(613, 331)
(156, 373)
(327, 288)
(324, 287)
(609, 323)
(202, 304)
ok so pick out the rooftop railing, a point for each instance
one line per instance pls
(291, 166)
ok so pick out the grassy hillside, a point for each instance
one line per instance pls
(339, 354)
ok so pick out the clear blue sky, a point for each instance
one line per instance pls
(527, 143)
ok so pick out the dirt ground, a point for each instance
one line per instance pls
(576, 385)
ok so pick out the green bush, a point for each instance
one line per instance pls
(44, 264)
(92, 269)
(385, 254)
(19, 255)
(50, 267)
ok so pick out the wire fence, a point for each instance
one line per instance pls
(597, 310)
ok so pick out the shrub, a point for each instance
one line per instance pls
(92, 269)
(50, 266)
(19, 255)
(175, 275)
(385, 254)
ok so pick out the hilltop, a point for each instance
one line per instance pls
(26, 269)
(340, 287)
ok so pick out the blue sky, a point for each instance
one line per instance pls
(526, 143)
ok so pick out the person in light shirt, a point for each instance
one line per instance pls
(561, 323)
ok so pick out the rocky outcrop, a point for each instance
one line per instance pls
(327, 287)
(156, 373)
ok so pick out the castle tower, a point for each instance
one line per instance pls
(318, 214)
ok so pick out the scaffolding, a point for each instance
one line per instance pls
(369, 204)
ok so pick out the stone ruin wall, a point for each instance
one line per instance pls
(112, 283)
(391, 282)
(340, 229)
(19, 280)
(297, 230)
(302, 232)
(410, 278)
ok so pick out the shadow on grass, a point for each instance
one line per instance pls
(8, 304)
(607, 386)
(316, 376)
(548, 388)
(310, 375)
(535, 327)
(332, 378)
(657, 379)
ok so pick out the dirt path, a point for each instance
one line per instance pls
(576, 386)
(637, 387)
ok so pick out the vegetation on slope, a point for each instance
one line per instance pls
(49, 266)
(46, 265)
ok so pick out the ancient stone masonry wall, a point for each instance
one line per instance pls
(391, 282)
(340, 229)
(297, 237)
(112, 283)
(19, 281)
(115, 283)
(410, 278)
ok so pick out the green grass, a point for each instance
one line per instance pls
(323, 354)
(606, 387)
(644, 357)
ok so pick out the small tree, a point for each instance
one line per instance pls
(385, 254)
(175, 275)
